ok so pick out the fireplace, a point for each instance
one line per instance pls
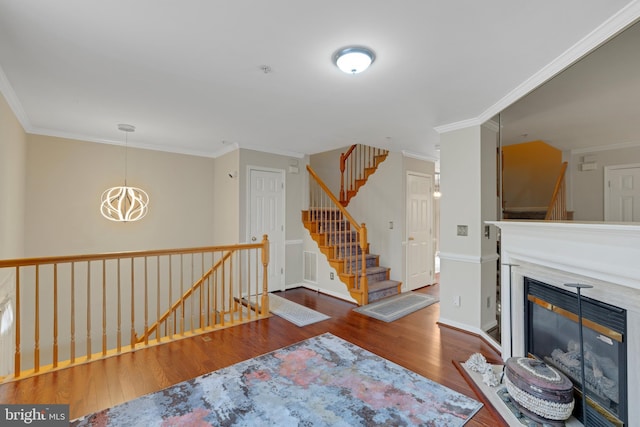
(602, 255)
(552, 335)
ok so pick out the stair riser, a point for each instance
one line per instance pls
(375, 296)
(355, 265)
(335, 238)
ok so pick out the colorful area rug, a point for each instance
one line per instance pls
(297, 314)
(322, 381)
(395, 307)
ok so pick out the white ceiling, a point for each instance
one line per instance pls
(188, 73)
(594, 104)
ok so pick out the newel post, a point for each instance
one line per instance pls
(343, 161)
(363, 248)
(265, 275)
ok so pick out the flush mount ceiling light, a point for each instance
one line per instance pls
(354, 59)
(124, 203)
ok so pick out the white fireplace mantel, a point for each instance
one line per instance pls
(604, 255)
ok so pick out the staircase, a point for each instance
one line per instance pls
(344, 243)
(556, 211)
(356, 166)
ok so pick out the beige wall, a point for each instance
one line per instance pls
(226, 211)
(13, 148)
(587, 187)
(65, 179)
(530, 171)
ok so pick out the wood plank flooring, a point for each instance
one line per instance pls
(416, 342)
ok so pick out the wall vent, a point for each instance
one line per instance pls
(310, 267)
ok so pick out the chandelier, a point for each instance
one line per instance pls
(124, 203)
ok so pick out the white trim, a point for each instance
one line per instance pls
(308, 285)
(293, 242)
(619, 21)
(492, 125)
(607, 188)
(594, 149)
(447, 256)
(452, 323)
(286, 153)
(419, 156)
(13, 101)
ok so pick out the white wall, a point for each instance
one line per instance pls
(469, 197)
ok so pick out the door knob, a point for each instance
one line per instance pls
(253, 239)
(411, 238)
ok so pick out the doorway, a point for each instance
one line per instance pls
(622, 193)
(267, 216)
(420, 256)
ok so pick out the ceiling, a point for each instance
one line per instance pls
(592, 105)
(189, 74)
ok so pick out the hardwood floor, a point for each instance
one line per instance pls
(416, 342)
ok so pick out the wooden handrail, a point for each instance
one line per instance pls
(65, 307)
(353, 266)
(21, 262)
(356, 165)
(557, 207)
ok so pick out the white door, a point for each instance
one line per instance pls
(420, 258)
(266, 216)
(622, 193)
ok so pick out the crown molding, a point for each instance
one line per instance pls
(133, 144)
(594, 149)
(14, 103)
(419, 156)
(618, 22)
(286, 153)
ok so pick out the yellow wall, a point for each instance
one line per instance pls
(530, 171)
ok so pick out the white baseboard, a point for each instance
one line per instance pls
(316, 288)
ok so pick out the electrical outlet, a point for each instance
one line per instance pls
(331, 275)
(456, 300)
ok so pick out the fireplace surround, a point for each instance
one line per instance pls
(604, 255)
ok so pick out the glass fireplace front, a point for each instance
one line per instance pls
(552, 335)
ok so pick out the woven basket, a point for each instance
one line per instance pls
(539, 388)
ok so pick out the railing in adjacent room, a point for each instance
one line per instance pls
(73, 309)
(558, 207)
